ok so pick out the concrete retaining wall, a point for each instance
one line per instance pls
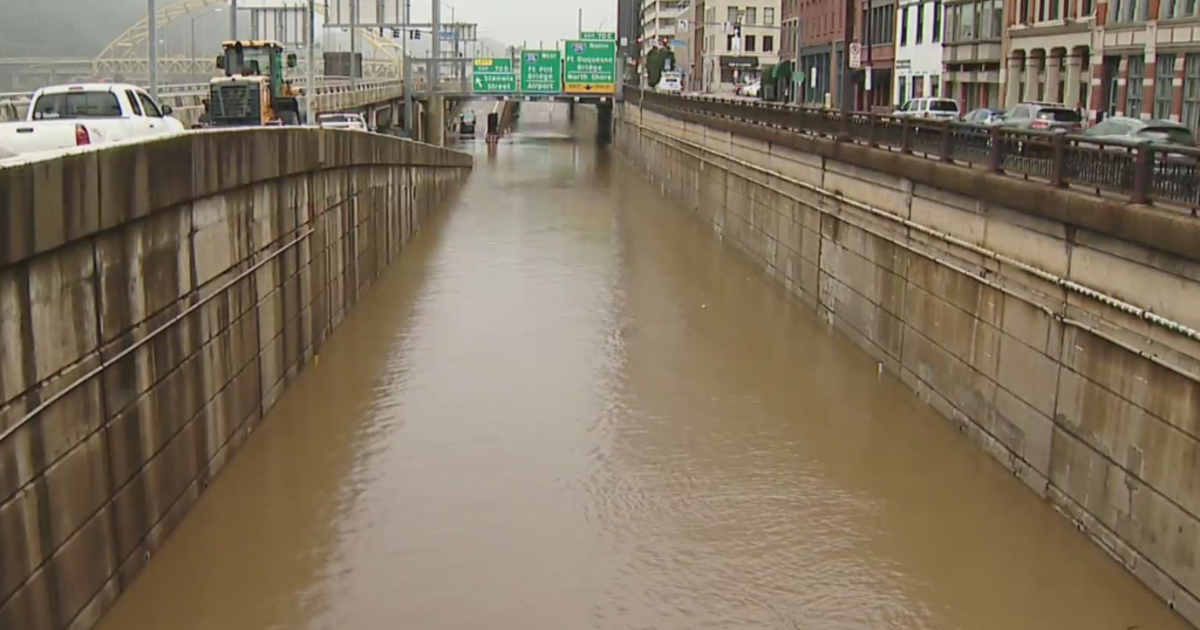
(968, 302)
(155, 302)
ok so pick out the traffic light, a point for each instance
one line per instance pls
(414, 34)
(395, 33)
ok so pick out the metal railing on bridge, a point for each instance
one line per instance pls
(1144, 173)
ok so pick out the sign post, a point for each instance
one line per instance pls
(493, 76)
(591, 66)
(541, 72)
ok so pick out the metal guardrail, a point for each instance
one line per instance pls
(201, 89)
(1144, 173)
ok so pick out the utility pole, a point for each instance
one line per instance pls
(580, 33)
(409, 85)
(435, 54)
(310, 85)
(152, 44)
(233, 32)
(437, 107)
(847, 85)
(353, 42)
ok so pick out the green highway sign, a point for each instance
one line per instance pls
(591, 67)
(598, 36)
(541, 72)
(494, 75)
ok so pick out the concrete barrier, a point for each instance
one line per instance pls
(155, 301)
(1056, 331)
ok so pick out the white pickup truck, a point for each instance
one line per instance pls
(66, 116)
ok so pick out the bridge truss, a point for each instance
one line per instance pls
(127, 54)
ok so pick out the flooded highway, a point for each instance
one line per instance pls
(567, 406)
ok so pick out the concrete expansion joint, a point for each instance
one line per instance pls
(1069, 285)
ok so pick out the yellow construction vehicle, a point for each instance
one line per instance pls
(253, 91)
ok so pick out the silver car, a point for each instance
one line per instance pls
(1135, 131)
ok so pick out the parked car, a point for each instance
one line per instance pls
(752, 88)
(1040, 116)
(933, 108)
(1135, 131)
(671, 83)
(343, 121)
(66, 116)
(984, 116)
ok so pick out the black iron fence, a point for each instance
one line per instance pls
(1144, 173)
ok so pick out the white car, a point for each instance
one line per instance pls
(749, 89)
(67, 116)
(671, 83)
(934, 108)
(343, 121)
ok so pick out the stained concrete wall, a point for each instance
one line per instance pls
(1094, 409)
(155, 302)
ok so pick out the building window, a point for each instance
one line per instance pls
(1052, 9)
(749, 43)
(768, 16)
(751, 16)
(920, 23)
(1163, 89)
(935, 83)
(936, 35)
(966, 24)
(1133, 98)
(1126, 10)
(904, 27)
(1177, 9)
(1191, 92)
(732, 15)
(768, 43)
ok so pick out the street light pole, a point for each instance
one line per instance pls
(192, 41)
(152, 44)
(233, 27)
(409, 84)
(353, 41)
(847, 85)
(310, 84)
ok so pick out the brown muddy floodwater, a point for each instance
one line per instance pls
(567, 407)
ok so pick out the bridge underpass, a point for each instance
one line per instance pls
(563, 404)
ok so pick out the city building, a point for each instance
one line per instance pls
(822, 28)
(1048, 46)
(699, 29)
(1146, 60)
(629, 30)
(789, 49)
(682, 45)
(918, 36)
(660, 19)
(726, 59)
(877, 19)
(973, 52)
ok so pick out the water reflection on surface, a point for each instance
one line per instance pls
(567, 406)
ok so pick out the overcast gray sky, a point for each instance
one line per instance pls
(515, 21)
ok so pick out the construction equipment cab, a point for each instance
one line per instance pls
(253, 91)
